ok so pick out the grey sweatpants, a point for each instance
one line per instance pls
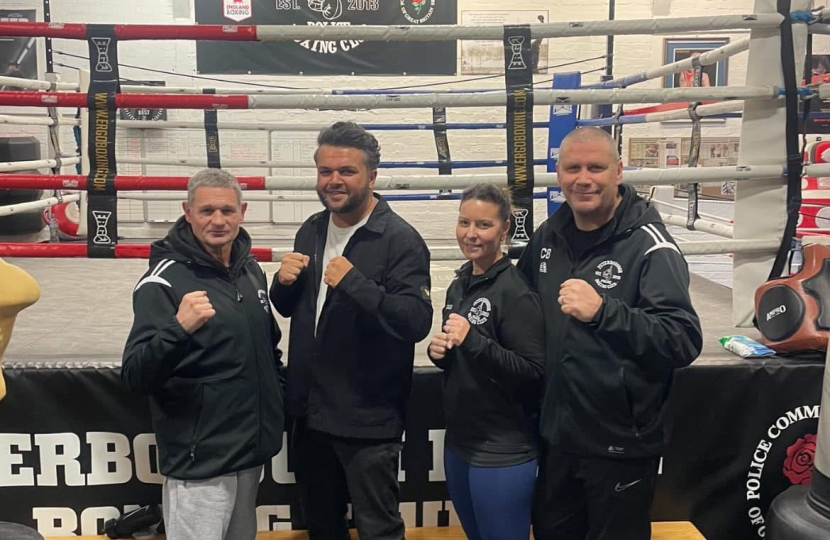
(222, 508)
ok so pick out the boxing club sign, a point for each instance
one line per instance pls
(327, 57)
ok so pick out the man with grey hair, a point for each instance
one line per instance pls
(619, 321)
(203, 346)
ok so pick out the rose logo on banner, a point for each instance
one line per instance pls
(238, 10)
(798, 467)
(783, 457)
(417, 11)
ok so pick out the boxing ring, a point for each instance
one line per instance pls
(71, 463)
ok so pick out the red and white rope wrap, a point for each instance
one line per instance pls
(645, 177)
(439, 253)
(214, 32)
(393, 101)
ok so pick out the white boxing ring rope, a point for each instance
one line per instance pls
(543, 30)
(705, 59)
(450, 253)
(39, 120)
(499, 99)
(39, 204)
(660, 203)
(711, 109)
(11, 166)
(702, 225)
(680, 114)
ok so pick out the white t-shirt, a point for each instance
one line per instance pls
(336, 240)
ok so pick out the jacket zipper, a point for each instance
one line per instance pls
(629, 404)
(574, 266)
(195, 438)
(316, 294)
(316, 265)
(239, 299)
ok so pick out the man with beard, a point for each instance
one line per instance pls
(357, 290)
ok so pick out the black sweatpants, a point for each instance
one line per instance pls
(331, 470)
(587, 498)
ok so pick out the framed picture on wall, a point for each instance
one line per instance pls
(819, 121)
(675, 50)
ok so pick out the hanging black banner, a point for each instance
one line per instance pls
(442, 142)
(518, 78)
(323, 57)
(212, 135)
(102, 216)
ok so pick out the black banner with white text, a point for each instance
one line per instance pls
(76, 449)
(328, 57)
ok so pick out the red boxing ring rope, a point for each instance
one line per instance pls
(130, 101)
(122, 183)
(212, 32)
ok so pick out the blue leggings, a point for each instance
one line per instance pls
(493, 503)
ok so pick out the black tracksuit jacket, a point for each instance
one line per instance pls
(493, 380)
(353, 378)
(607, 381)
(215, 397)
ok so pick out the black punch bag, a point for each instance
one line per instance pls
(803, 512)
(13, 531)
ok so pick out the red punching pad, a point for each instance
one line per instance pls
(793, 313)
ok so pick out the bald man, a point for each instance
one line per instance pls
(615, 294)
(18, 290)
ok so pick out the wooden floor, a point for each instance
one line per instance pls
(670, 530)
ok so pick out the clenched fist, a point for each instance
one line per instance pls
(194, 311)
(439, 345)
(456, 328)
(579, 300)
(291, 267)
(336, 270)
